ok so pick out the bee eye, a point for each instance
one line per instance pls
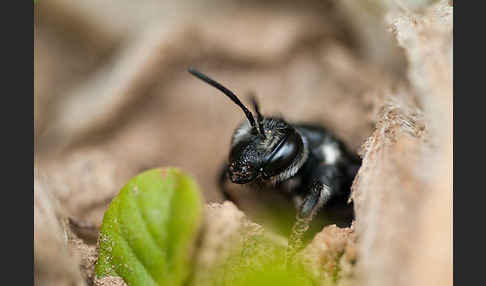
(284, 155)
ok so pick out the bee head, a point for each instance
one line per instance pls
(261, 148)
(279, 154)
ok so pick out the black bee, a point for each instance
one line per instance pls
(305, 161)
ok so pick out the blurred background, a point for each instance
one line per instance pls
(113, 97)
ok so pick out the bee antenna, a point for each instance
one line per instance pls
(226, 91)
(259, 115)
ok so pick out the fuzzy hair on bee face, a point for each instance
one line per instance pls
(275, 129)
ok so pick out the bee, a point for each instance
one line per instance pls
(305, 161)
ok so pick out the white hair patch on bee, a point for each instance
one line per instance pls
(330, 152)
(323, 198)
(325, 194)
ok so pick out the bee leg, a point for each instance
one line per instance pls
(326, 180)
(305, 213)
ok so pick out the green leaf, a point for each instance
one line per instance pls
(273, 274)
(265, 264)
(149, 229)
(259, 260)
